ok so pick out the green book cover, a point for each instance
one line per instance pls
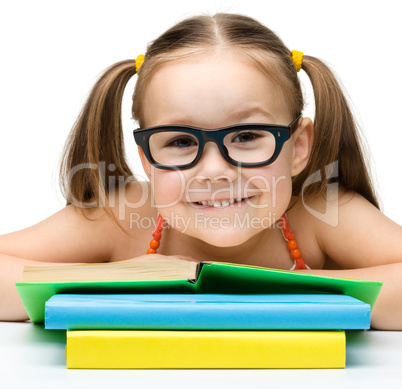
(35, 294)
(236, 279)
(212, 278)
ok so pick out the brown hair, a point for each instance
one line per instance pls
(97, 138)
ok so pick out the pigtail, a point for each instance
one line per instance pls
(94, 157)
(336, 139)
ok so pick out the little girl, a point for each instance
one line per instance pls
(237, 174)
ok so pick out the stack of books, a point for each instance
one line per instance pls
(180, 314)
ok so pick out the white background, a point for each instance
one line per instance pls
(53, 51)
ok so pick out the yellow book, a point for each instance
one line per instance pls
(115, 349)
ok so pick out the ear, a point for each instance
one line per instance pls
(145, 163)
(302, 145)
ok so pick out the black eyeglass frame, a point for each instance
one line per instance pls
(280, 132)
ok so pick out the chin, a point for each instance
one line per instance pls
(223, 238)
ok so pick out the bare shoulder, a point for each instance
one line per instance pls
(82, 235)
(137, 218)
(132, 203)
(349, 230)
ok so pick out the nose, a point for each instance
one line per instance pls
(213, 166)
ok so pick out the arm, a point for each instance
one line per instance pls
(365, 245)
(11, 308)
(63, 238)
(68, 237)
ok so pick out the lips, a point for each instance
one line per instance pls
(220, 204)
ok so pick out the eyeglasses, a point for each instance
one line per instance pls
(174, 147)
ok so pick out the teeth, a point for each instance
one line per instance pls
(219, 204)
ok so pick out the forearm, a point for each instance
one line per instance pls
(387, 311)
(11, 268)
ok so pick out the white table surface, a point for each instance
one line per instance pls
(31, 357)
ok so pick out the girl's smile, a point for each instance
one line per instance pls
(221, 203)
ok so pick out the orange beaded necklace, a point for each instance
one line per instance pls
(291, 243)
(283, 223)
(156, 235)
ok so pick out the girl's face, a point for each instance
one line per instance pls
(212, 91)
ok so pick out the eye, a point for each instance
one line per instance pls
(245, 136)
(182, 142)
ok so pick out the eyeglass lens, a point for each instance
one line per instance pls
(180, 148)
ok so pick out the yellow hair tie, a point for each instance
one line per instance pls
(138, 62)
(297, 57)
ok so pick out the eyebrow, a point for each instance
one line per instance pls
(243, 114)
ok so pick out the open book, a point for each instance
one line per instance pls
(142, 270)
(177, 276)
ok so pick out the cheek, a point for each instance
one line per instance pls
(167, 187)
(274, 182)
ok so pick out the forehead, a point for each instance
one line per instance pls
(212, 90)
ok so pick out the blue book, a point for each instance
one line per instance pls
(206, 312)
